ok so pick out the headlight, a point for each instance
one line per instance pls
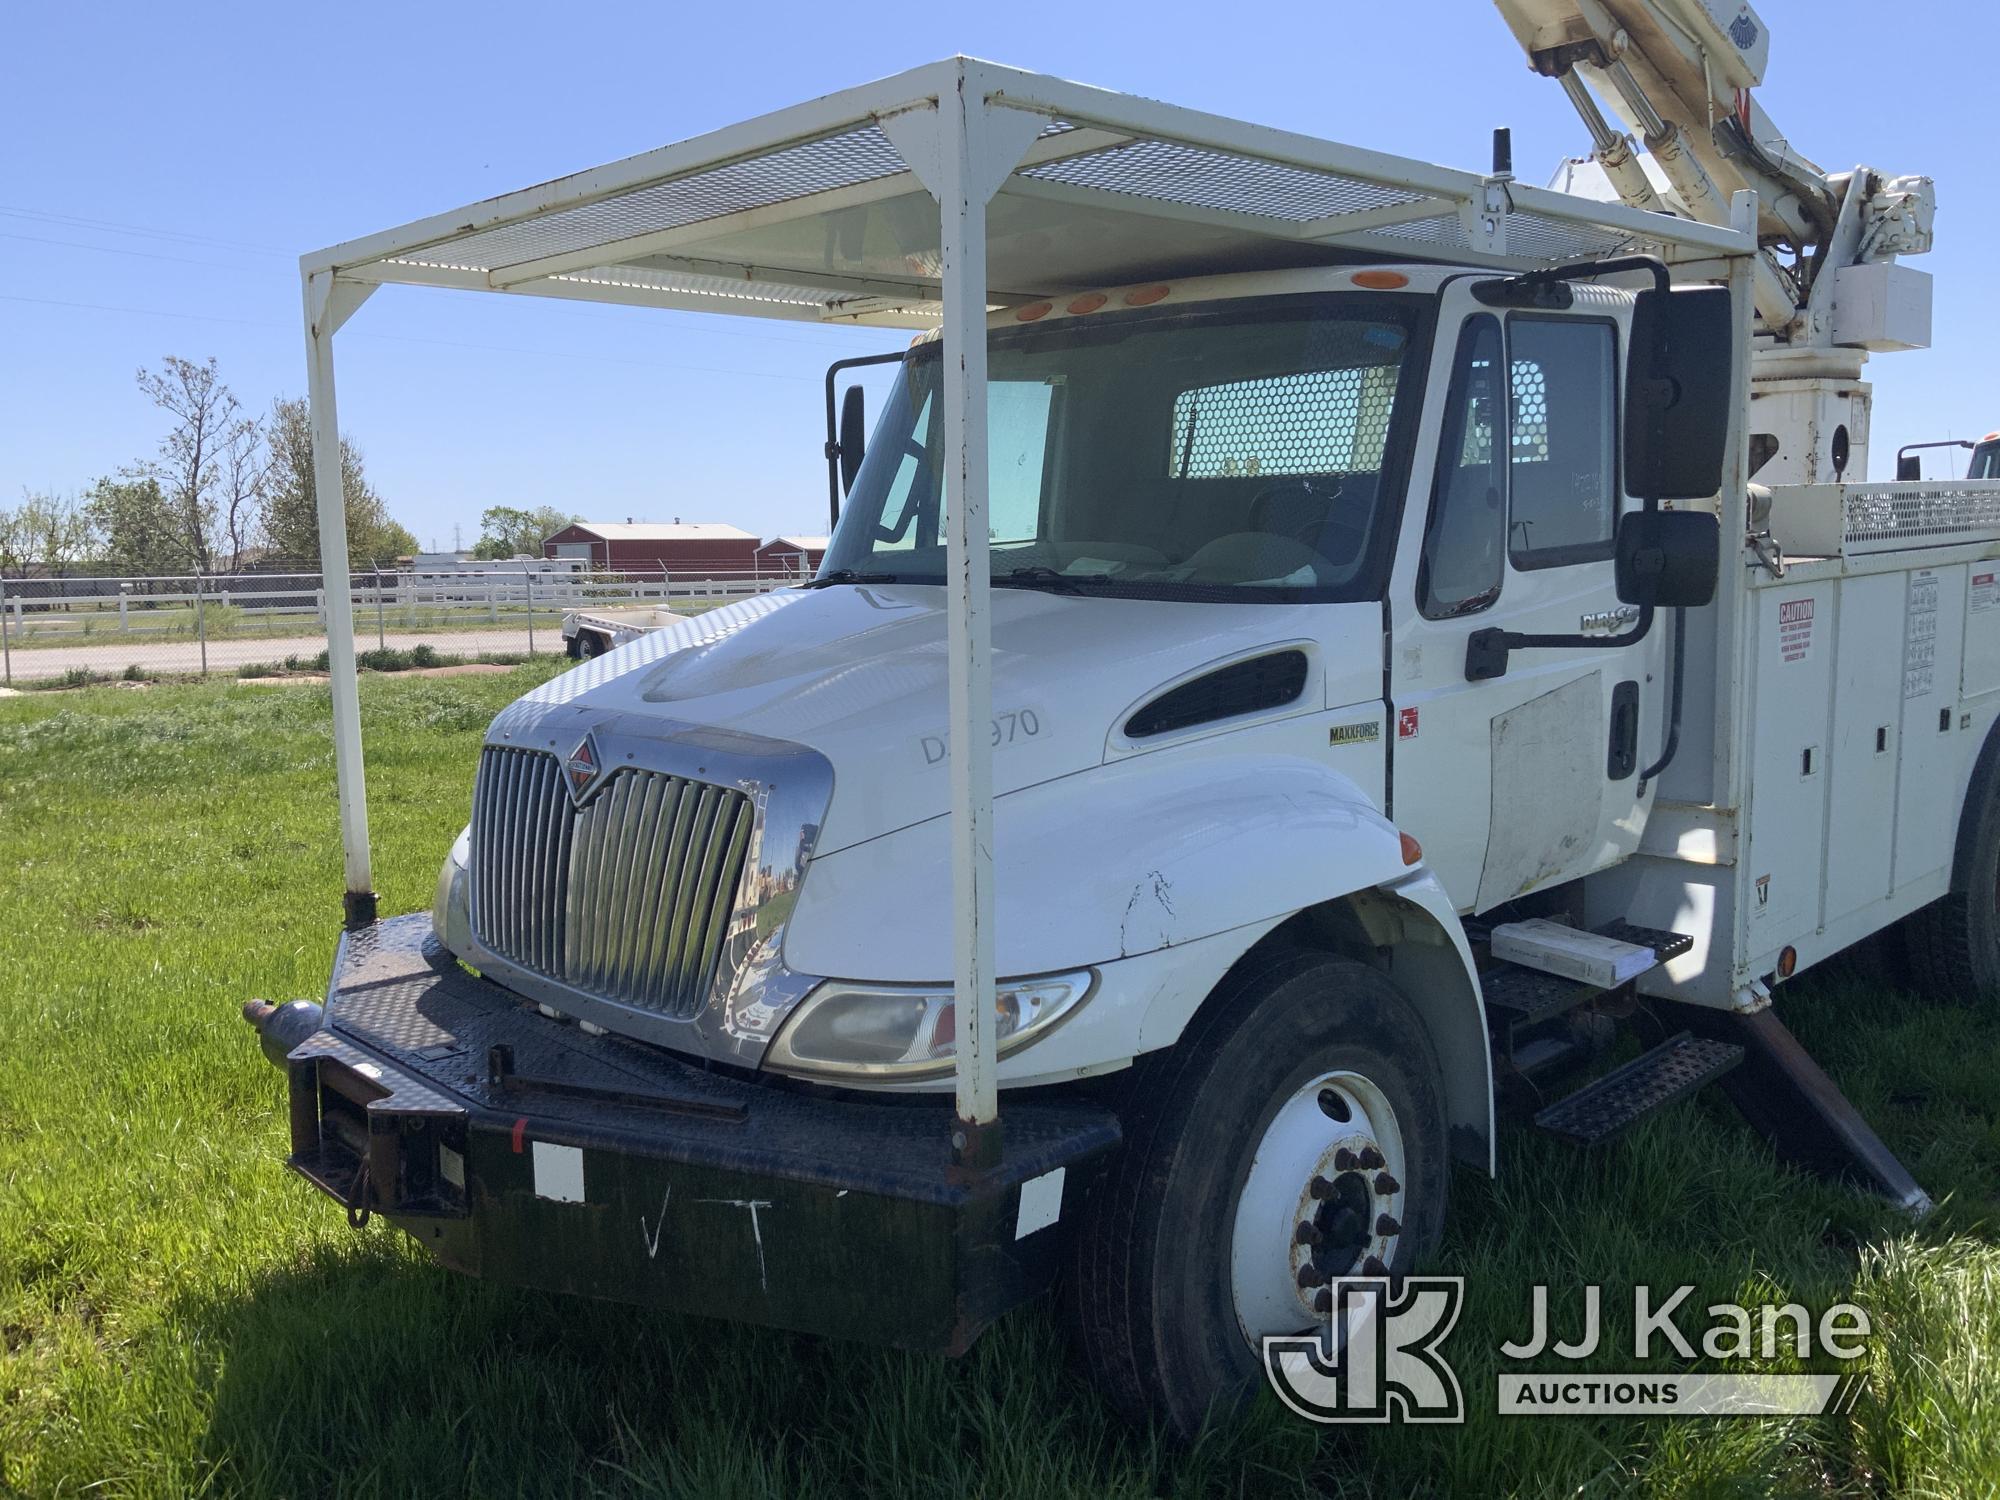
(901, 1031)
(451, 917)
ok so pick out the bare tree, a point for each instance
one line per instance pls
(245, 470)
(189, 467)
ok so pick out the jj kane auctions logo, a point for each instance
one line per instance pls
(1380, 1357)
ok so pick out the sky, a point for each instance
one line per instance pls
(164, 167)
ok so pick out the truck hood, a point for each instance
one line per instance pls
(857, 673)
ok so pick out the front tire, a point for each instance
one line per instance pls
(1294, 1097)
(1953, 945)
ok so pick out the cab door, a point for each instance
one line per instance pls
(1529, 778)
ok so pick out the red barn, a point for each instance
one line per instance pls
(697, 549)
(791, 555)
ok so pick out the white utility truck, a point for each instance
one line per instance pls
(1301, 654)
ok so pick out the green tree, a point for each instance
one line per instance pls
(46, 530)
(129, 514)
(291, 506)
(507, 531)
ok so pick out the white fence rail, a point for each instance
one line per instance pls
(73, 627)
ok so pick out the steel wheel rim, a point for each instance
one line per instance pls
(1324, 1198)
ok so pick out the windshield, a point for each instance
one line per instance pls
(1243, 451)
(1985, 461)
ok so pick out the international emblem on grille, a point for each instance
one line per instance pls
(582, 768)
(614, 879)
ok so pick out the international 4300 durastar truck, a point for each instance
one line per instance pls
(1312, 639)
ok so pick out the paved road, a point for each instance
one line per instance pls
(226, 656)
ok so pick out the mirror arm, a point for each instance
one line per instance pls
(1486, 651)
(1530, 286)
(833, 424)
(1673, 741)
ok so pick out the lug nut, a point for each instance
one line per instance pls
(1312, 1275)
(1387, 1225)
(1370, 1159)
(1385, 1184)
(1321, 1188)
(1323, 1300)
(1308, 1235)
(1345, 1160)
(1373, 1267)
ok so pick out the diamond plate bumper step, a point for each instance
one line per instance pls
(1626, 1095)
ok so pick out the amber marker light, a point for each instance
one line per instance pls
(1381, 281)
(1089, 302)
(1146, 296)
(1413, 851)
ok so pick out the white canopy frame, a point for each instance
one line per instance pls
(925, 200)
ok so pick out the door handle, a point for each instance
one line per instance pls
(1621, 758)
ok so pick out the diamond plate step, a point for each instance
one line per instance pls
(1624, 1096)
(1525, 996)
(1663, 943)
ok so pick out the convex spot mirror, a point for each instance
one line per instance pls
(1668, 559)
(1679, 385)
(853, 435)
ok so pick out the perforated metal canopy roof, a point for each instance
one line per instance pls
(814, 212)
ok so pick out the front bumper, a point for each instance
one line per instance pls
(523, 1149)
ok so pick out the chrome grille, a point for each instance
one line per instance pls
(629, 899)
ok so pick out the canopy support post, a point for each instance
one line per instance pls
(328, 303)
(962, 150)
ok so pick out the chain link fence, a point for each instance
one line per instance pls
(256, 624)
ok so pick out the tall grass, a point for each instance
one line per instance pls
(178, 1316)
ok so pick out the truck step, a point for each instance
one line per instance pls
(1521, 997)
(1624, 1096)
(1665, 945)
(1591, 958)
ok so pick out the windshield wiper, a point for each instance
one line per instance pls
(1048, 578)
(846, 575)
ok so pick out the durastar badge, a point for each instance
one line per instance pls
(583, 767)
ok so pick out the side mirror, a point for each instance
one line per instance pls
(1668, 559)
(1908, 467)
(853, 435)
(1678, 393)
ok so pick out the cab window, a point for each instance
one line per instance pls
(1563, 455)
(1464, 553)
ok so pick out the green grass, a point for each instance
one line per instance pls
(178, 1316)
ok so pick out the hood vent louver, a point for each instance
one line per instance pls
(1244, 687)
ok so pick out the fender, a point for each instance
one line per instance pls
(1160, 872)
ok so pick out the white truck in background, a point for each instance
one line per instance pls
(589, 633)
(1397, 677)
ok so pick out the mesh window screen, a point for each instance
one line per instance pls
(1311, 422)
(1531, 413)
